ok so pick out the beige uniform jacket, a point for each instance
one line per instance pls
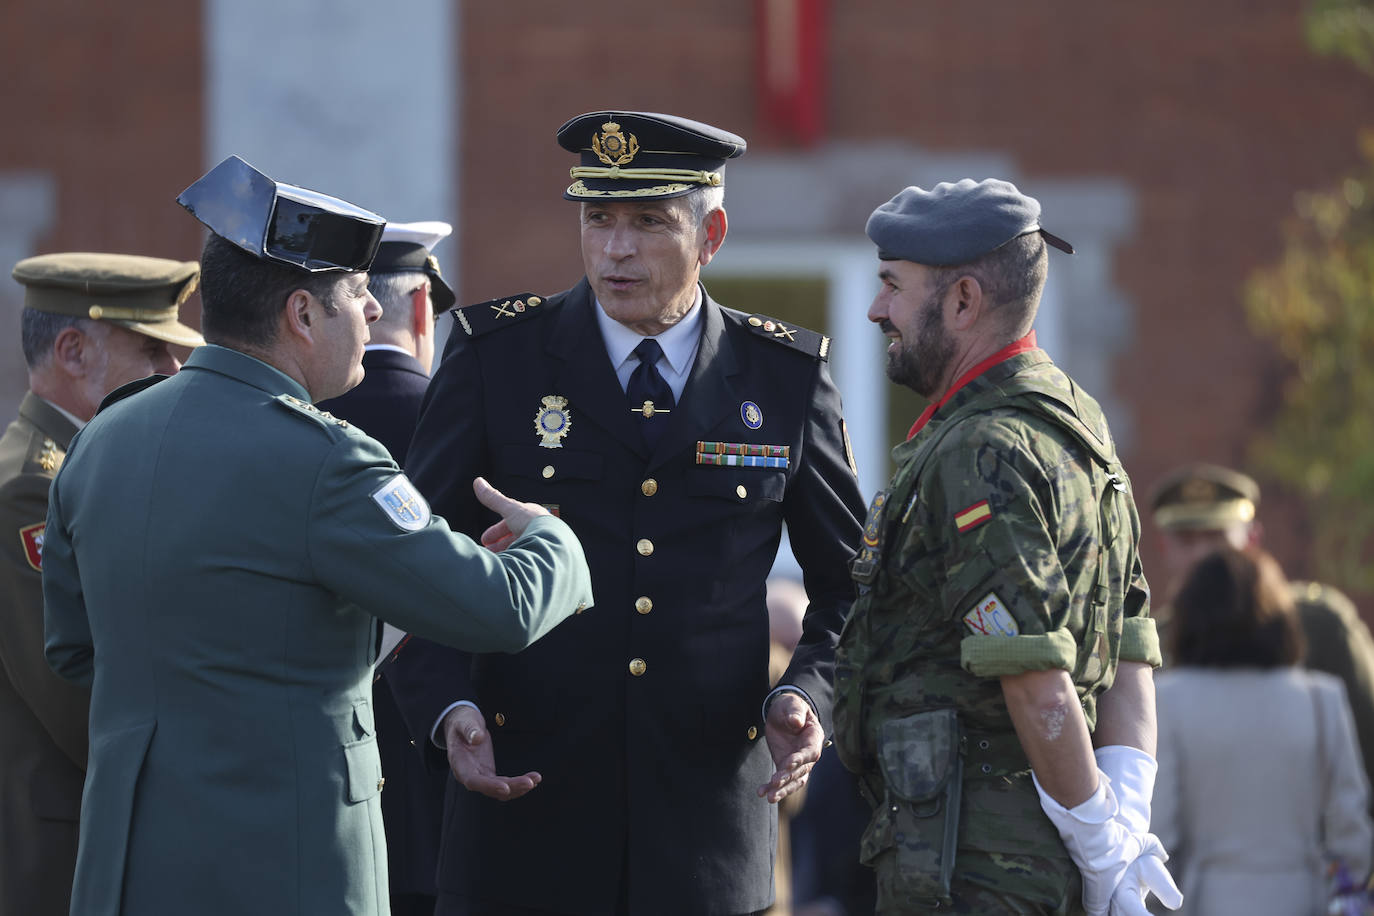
(42, 717)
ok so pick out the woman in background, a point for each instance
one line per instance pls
(1260, 781)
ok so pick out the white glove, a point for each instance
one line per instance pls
(1132, 772)
(1098, 842)
(1146, 875)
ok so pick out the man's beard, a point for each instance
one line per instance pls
(920, 365)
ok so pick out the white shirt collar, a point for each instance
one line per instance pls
(679, 342)
(382, 346)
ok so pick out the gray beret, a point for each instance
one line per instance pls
(955, 223)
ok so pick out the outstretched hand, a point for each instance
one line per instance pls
(795, 740)
(472, 761)
(515, 515)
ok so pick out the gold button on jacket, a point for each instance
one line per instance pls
(645, 547)
(637, 666)
(643, 605)
(649, 487)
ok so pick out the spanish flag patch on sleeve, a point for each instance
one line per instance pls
(973, 516)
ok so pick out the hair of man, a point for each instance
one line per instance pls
(1012, 278)
(242, 296)
(392, 291)
(1235, 610)
(38, 332)
(703, 201)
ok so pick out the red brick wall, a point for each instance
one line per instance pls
(107, 98)
(1215, 114)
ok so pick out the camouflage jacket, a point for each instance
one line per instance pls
(1006, 542)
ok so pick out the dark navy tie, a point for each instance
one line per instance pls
(651, 398)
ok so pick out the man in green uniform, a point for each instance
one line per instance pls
(1200, 507)
(1002, 630)
(218, 551)
(90, 323)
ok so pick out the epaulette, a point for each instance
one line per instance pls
(44, 454)
(323, 417)
(134, 387)
(798, 338)
(476, 320)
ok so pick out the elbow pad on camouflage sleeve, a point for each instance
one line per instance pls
(1001, 656)
(1140, 642)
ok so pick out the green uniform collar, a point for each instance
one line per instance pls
(248, 369)
(974, 388)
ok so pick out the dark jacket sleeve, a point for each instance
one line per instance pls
(824, 511)
(448, 446)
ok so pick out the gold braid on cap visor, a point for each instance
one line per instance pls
(691, 176)
(1203, 515)
(114, 313)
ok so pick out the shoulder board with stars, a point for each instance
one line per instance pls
(794, 336)
(476, 320)
(323, 417)
(45, 455)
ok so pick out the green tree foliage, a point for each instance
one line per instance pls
(1344, 28)
(1317, 305)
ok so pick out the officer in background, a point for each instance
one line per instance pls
(217, 552)
(1201, 507)
(1002, 629)
(90, 323)
(676, 437)
(406, 281)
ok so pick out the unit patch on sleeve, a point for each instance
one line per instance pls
(31, 536)
(990, 617)
(402, 503)
(973, 516)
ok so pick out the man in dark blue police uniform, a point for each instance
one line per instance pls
(407, 283)
(675, 437)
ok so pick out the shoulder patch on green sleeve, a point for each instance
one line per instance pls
(402, 504)
(798, 338)
(476, 320)
(990, 617)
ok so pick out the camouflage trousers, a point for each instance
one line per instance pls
(984, 884)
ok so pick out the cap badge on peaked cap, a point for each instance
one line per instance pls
(611, 146)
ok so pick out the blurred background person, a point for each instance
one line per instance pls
(818, 872)
(1201, 507)
(406, 281)
(1260, 782)
(90, 323)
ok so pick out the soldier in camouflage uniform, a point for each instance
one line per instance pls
(1002, 628)
(1201, 507)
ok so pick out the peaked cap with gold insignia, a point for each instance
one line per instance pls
(139, 293)
(640, 155)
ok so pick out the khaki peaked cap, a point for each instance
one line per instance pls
(139, 293)
(1204, 497)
